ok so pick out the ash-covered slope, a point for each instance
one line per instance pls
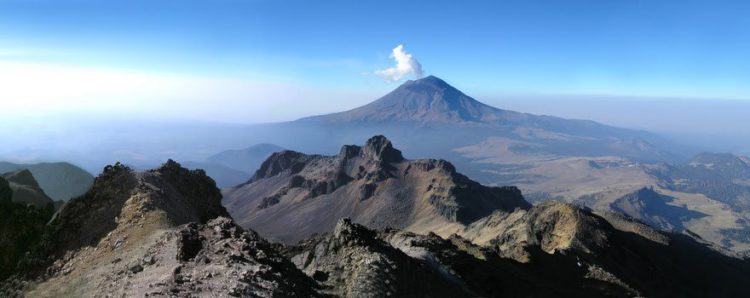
(294, 195)
(161, 232)
(426, 100)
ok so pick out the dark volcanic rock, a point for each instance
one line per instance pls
(224, 260)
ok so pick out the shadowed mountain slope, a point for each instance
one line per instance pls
(26, 190)
(653, 209)
(21, 223)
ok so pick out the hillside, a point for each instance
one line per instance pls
(26, 190)
(59, 180)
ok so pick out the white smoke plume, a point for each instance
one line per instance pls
(405, 64)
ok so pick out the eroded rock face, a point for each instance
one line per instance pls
(220, 259)
(295, 195)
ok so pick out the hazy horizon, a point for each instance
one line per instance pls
(261, 60)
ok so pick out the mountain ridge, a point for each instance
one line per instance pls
(373, 184)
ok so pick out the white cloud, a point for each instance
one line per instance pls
(405, 64)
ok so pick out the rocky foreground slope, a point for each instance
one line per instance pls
(294, 195)
(156, 233)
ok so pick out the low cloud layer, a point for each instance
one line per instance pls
(406, 64)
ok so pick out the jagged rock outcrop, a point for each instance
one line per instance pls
(553, 227)
(161, 232)
(353, 262)
(294, 195)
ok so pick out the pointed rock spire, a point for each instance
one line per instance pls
(380, 148)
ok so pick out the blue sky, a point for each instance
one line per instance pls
(255, 61)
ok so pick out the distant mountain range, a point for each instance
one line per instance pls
(59, 180)
(247, 160)
(25, 188)
(231, 167)
(430, 116)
